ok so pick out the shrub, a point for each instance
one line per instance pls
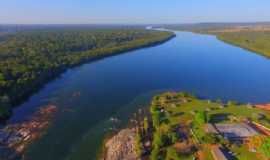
(265, 147)
(171, 154)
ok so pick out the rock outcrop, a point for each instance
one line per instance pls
(121, 146)
(15, 138)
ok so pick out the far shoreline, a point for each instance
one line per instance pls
(56, 74)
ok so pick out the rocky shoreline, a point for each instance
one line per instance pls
(121, 146)
(15, 138)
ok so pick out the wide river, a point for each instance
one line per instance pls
(89, 95)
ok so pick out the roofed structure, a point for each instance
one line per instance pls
(239, 131)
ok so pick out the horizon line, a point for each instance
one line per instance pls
(182, 23)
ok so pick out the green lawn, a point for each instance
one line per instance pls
(239, 111)
(243, 154)
(175, 109)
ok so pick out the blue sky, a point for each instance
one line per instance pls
(132, 11)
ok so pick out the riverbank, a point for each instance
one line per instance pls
(257, 42)
(252, 37)
(8, 98)
(112, 84)
(184, 127)
(121, 146)
(15, 138)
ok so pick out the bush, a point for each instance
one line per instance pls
(173, 137)
(171, 154)
(145, 124)
(265, 147)
(157, 140)
(154, 154)
(210, 138)
(138, 144)
(200, 117)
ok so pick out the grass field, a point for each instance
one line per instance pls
(180, 120)
(256, 41)
(253, 37)
(240, 111)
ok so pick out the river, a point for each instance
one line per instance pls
(89, 95)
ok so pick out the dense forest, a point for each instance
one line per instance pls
(29, 59)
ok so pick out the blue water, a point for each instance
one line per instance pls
(116, 86)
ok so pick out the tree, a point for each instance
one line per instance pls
(157, 140)
(201, 117)
(173, 137)
(155, 117)
(171, 154)
(145, 124)
(4, 106)
(33, 58)
(154, 154)
(138, 144)
(2, 81)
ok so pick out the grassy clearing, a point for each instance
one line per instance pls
(253, 37)
(179, 121)
(256, 41)
(243, 154)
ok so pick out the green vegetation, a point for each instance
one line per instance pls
(138, 145)
(145, 124)
(180, 122)
(256, 41)
(31, 58)
(251, 36)
(200, 117)
(157, 144)
(265, 147)
(171, 153)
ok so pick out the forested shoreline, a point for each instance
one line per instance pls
(29, 59)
